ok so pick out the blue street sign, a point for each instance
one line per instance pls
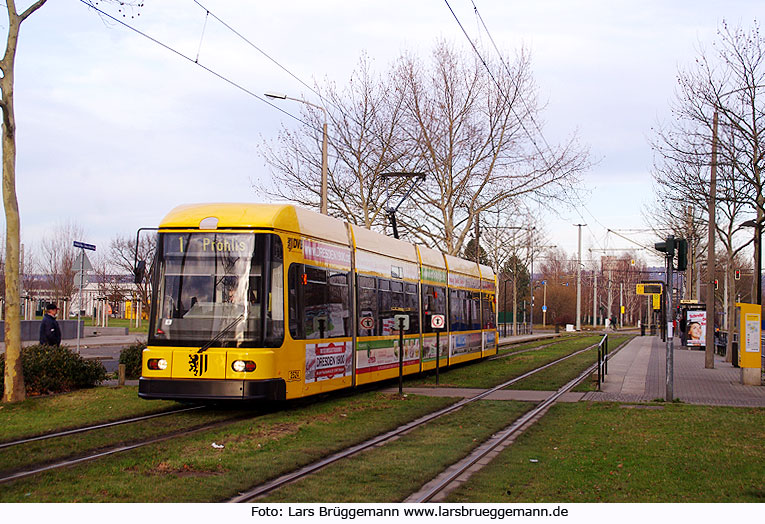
(544, 309)
(83, 245)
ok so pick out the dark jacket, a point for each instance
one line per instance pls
(50, 333)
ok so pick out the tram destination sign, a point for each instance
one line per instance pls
(645, 288)
(83, 245)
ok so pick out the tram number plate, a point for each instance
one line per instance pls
(437, 321)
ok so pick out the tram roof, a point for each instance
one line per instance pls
(460, 265)
(383, 245)
(487, 273)
(248, 215)
(431, 257)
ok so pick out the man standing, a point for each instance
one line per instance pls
(50, 333)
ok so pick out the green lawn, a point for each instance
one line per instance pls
(608, 452)
(39, 415)
(191, 469)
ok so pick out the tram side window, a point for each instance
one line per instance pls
(475, 310)
(367, 287)
(412, 307)
(487, 311)
(380, 300)
(433, 303)
(319, 303)
(458, 310)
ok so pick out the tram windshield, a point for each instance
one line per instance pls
(207, 281)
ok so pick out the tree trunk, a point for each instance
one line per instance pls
(14, 378)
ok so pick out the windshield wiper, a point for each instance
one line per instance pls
(220, 334)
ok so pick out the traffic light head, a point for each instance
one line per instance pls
(737, 274)
(682, 254)
(716, 283)
(668, 246)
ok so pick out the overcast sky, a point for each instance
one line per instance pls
(114, 130)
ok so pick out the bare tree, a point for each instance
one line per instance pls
(724, 85)
(14, 379)
(477, 137)
(477, 141)
(365, 142)
(57, 258)
(122, 257)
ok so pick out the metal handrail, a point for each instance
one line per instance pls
(602, 359)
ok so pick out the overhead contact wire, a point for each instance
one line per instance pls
(209, 70)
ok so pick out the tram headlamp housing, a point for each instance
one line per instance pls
(243, 366)
(157, 364)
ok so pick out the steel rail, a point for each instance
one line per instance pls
(94, 427)
(511, 353)
(508, 432)
(315, 466)
(502, 437)
(121, 449)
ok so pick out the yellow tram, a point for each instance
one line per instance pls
(271, 301)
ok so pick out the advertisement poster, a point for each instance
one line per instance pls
(753, 336)
(466, 343)
(429, 347)
(328, 360)
(379, 355)
(696, 326)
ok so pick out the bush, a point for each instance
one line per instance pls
(131, 357)
(53, 369)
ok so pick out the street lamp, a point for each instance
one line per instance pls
(757, 257)
(279, 96)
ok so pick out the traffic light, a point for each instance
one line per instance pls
(668, 246)
(716, 283)
(682, 254)
(737, 274)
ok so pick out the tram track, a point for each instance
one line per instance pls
(85, 429)
(444, 483)
(309, 469)
(97, 453)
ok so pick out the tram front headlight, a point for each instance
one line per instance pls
(157, 364)
(243, 365)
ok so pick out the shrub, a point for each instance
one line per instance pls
(131, 357)
(53, 369)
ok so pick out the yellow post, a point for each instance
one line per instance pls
(749, 342)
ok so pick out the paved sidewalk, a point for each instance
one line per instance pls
(637, 374)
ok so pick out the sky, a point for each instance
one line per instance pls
(114, 129)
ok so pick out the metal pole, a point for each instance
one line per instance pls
(669, 397)
(709, 355)
(324, 166)
(438, 355)
(579, 282)
(544, 300)
(531, 282)
(79, 305)
(595, 300)
(401, 357)
(621, 305)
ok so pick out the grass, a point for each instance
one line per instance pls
(25, 456)
(555, 376)
(189, 469)
(589, 452)
(492, 372)
(527, 345)
(113, 322)
(394, 471)
(40, 415)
